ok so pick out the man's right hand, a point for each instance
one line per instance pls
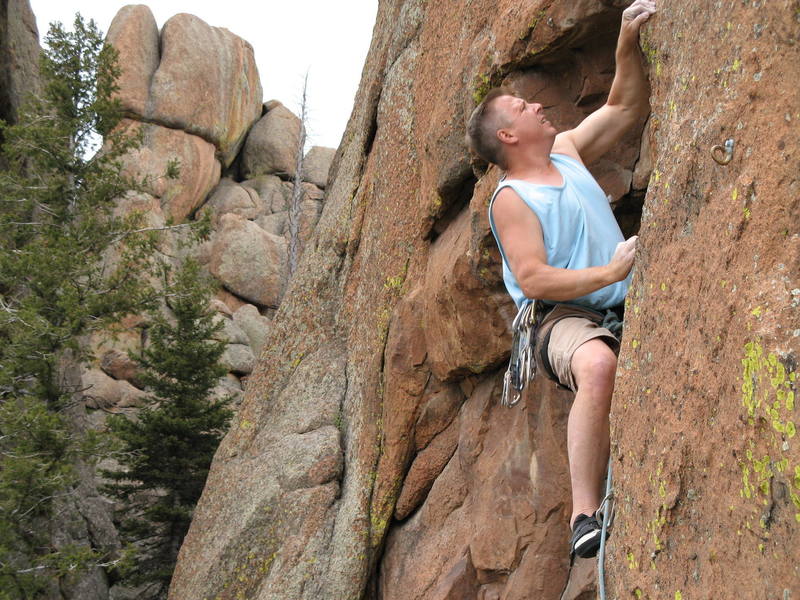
(622, 261)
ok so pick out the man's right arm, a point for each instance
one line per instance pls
(521, 236)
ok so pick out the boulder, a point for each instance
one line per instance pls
(230, 197)
(238, 358)
(219, 306)
(316, 164)
(240, 242)
(274, 223)
(119, 365)
(183, 79)
(271, 190)
(232, 301)
(271, 146)
(310, 191)
(149, 207)
(230, 332)
(134, 34)
(102, 391)
(199, 170)
(256, 327)
(112, 349)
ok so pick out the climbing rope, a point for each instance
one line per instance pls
(606, 511)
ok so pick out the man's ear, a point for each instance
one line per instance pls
(505, 136)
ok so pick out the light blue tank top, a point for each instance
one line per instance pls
(579, 229)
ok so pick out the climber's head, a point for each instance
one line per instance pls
(483, 124)
(505, 123)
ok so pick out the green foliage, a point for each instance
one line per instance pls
(68, 266)
(167, 452)
(67, 263)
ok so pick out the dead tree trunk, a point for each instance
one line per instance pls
(297, 190)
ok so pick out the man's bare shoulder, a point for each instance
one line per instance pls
(510, 210)
(507, 201)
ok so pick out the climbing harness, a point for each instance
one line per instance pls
(723, 155)
(522, 364)
(606, 513)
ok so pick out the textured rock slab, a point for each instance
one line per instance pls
(704, 443)
(461, 337)
(271, 146)
(199, 170)
(297, 484)
(240, 242)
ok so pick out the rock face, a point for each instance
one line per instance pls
(705, 450)
(19, 56)
(192, 92)
(393, 331)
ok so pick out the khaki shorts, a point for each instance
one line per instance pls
(564, 329)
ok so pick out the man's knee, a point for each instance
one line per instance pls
(594, 363)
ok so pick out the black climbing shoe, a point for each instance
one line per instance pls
(585, 537)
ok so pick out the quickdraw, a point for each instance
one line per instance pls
(522, 364)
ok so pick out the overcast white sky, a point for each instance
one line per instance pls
(329, 39)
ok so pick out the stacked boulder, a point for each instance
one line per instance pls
(192, 91)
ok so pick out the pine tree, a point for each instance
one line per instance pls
(168, 450)
(68, 266)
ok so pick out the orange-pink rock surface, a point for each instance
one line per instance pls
(370, 457)
(704, 445)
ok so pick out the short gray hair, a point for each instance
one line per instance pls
(482, 128)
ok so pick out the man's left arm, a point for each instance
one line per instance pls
(627, 100)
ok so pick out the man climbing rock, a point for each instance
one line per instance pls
(561, 246)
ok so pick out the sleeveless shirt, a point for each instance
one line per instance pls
(578, 226)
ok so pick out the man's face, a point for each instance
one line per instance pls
(525, 121)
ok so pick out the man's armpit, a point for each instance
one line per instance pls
(564, 144)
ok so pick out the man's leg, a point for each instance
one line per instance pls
(593, 366)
